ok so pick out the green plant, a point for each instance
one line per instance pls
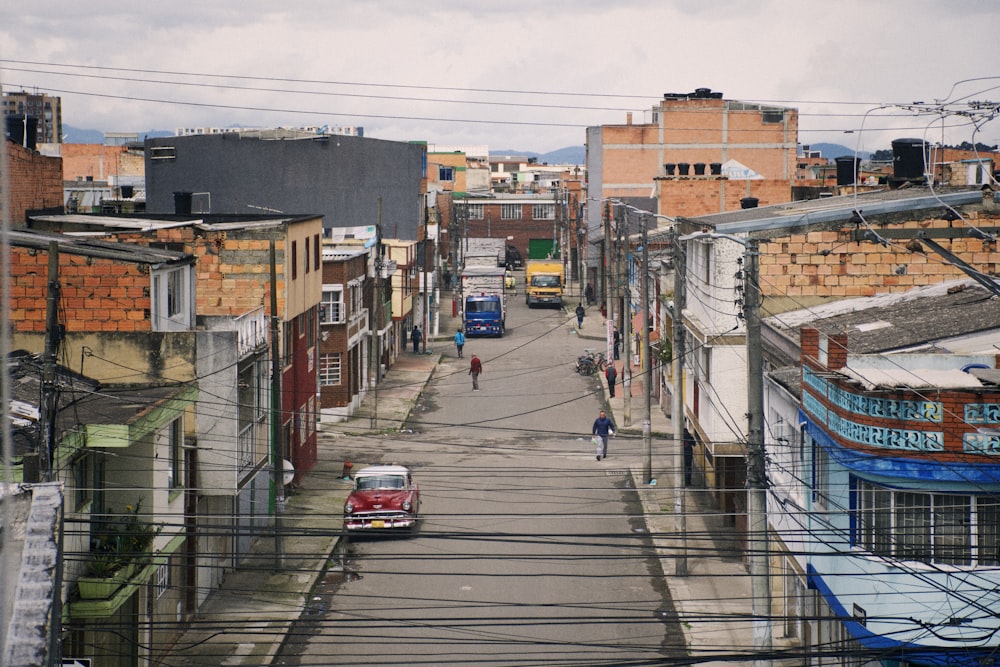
(118, 540)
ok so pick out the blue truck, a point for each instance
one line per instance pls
(485, 301)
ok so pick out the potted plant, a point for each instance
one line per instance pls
(120, 545)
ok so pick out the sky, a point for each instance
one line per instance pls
(525, 76)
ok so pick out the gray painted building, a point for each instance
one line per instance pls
(341, 178)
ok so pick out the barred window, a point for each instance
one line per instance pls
(926, 527)
(543, 211)
(510, 211)
(475, 212)
(330, 369)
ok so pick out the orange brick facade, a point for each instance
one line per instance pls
(35, 182)
(96, 294)
(701, 131)
(828, 264)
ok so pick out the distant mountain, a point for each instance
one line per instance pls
(833, 151)
(76, 135)
(568, 155)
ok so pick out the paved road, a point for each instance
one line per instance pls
(530, 551)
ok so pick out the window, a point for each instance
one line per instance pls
(175, 294)
(175, 448)
(83, 481)
(330, 369)
(308, 254)
(821, 475)
(310, 324)
(295, 260)
(543, 211)
(331, 307)
(161, 580)
(286, 343)
(926, 527)
(475, 212)
(316, 252)
(446, 173)
(510, 211)
(988, 520)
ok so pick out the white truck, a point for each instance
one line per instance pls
(484, 301)
(484, 251)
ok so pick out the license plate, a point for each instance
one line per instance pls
(378, 524)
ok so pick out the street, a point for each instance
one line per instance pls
(529, 552)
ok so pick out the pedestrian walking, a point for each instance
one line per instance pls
(603, 428)
(416, 336)
(459, 342)
(475, 368)
(618, 343)
(589, 293)
(580, 312)
(611, 374)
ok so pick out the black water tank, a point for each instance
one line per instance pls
(668, 168)
(847, 169)
(908, 158)
(715, 168)
(699, 168)
(23, 131)
(683, 168)
(749, 202)
(128, 191)
(702, 93)
(182, 203)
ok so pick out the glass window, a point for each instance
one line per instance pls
(474, 212)
(331, 307)
(175, 445)
(330, 369)
(988, 520)
(952, 539)
(510, 211)
(446, 173)
(543, 211)
(913, 524)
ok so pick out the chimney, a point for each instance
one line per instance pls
(628, 118)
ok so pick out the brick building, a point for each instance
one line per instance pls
(35, 183)
(344, 362)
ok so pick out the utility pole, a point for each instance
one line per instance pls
(427, 286)
(376, 352)
(677, 405)
(52, 337)
(277, 461)
(647, 366)
(606, 269)
(756, 473)
(626, 320)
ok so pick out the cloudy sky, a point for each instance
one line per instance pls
(512, 75)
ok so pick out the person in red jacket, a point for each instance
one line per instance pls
(611, 374)
(475, 368)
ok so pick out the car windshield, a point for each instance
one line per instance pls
(381, 482)
(483, 307)
(545, 281)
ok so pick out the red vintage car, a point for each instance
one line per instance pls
(384, 497)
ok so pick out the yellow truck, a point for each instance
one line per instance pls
(543, 283)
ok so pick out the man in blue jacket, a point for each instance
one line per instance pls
(459, 342)
(603, 427)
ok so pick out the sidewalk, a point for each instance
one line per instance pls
(712, 600)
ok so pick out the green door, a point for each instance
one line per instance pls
(541, 249)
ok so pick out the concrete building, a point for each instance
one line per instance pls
(33, 118)
(883, 483)
(124, 441)
(344, 318)
(347, 180)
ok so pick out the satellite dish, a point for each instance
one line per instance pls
(289, 473)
